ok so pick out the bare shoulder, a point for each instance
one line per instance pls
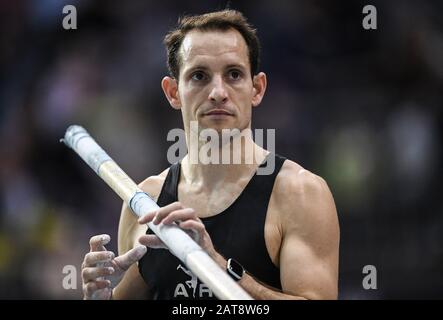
(296, 179)
(153, 184)
(129, 229)
(304, 199)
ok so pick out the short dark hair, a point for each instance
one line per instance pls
(219, 20)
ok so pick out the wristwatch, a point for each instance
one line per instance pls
(235, 269)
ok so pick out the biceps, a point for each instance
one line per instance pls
(304, 272)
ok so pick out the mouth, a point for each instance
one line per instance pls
(218, 112)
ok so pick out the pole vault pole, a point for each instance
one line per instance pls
(179, 242)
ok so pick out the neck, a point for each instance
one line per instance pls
(239, 157)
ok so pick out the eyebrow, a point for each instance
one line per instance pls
(197, 67)
(236, 65)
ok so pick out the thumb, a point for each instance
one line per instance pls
(126, 260)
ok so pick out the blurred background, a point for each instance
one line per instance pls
(363, 109)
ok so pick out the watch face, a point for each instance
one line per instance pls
(235, 269)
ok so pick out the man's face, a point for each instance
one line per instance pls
(215, 86)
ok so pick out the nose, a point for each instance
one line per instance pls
(218, 94)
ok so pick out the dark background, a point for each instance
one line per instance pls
(362, 109)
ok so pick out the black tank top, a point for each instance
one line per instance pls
(237, 232)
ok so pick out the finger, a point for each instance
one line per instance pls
(92, 258)
(147, 217)
(102, 294)
(194, 229)
(93, 286)
(152, 241)
(92, 273)
(98, 242)
(161, 211)
(182, 214)
(126, 260)
(192, 225)
(164, 211)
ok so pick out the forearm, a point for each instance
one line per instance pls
(260, 292)
(257, 290)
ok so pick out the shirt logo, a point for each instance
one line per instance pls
(181, 290)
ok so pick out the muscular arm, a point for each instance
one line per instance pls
(310, 247)
(308, 257)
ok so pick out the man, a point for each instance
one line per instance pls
(281, 229)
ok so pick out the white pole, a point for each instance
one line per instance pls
(178, 241)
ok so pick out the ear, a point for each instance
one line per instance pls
(170, 88)
(259, 83)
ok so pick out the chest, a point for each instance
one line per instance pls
(247, 208)
(209, 204)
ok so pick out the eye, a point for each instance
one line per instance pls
(235, 74)
(198, 76)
